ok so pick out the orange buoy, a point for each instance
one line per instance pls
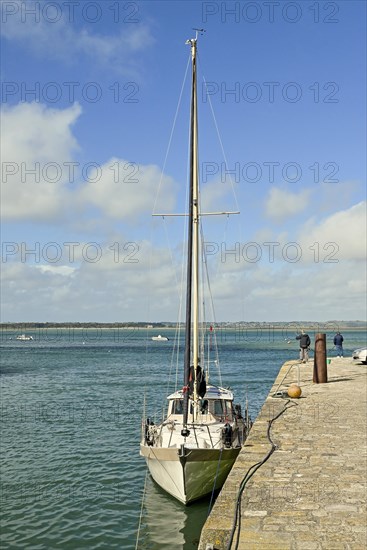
(294, 391)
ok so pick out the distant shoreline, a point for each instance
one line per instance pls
(240, 326)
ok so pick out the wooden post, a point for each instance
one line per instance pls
(319, 367)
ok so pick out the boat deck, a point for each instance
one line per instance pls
(311, 493)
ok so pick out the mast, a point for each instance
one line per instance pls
(192, 278)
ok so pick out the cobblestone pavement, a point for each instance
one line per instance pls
(311, 493)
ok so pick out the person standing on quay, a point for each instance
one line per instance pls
(304, 345)
(338, 343)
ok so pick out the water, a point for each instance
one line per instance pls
(72, 403)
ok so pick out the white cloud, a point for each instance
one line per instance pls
(218, 196)
(125, 190)
(292, 291)
(33, 131)
(148, 289)
(112, 288)
(344, 232)
(281, 204)
(64, 270)
(36, 142)
(330, 197)
(51, 33)
(37, 150)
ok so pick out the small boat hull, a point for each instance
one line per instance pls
(190, 476)
(24, 338)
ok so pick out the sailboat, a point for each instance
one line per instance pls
(190, 453)
(160, 338)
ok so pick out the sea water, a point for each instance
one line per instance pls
(72, 405)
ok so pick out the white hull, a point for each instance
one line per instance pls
(192, 476)
(190, 464)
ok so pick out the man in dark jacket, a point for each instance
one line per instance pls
(304, 345)
(338, 343)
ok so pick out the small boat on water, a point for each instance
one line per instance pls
(24, 337)
(160, 338)
(191, 452)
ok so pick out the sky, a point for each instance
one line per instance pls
(94, 139)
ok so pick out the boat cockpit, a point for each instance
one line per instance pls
(210, 410)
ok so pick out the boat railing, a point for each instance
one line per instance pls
(157, 436)
(196, 439)
(193, 427)
(170, 437)
(210, 436)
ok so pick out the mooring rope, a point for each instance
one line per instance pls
(141, 511)
(215, 481)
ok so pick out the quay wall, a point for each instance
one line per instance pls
(311, 492)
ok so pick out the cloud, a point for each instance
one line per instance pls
(218, 196)
(330, 197)
(123, 190)
(37, 143)
(38, 162)
(51, 33)
(64, 270)
(148, 289)
(298, 291)
(281, 204)
(32, 130)
(344, 232)
(113, 287)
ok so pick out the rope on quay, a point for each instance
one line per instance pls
(250, 472)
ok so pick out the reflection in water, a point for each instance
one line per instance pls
(168, 524)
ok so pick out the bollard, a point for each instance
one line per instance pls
(319, 367)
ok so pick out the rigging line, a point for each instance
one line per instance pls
(149, 300)
(170, 373)
(204, 339)
(224, 240)
(230, 179)
(183, 255)
(172, 260)
(171, 134)
(174, 356)
(205, 261)
(240, 231)
(231, 182)
(141, 510)
(175, 352)
(202, 307)
(181, 286)
(177, 337)
(180, 291)
(221, 144)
